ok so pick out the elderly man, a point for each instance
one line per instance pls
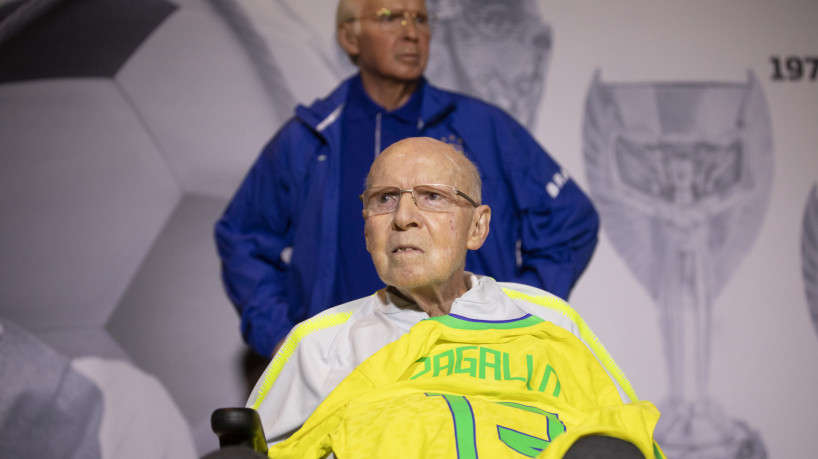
(290, 241)
(515, 344)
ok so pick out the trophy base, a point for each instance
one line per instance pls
(703, 431)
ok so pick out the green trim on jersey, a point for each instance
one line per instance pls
(462, 324)
(287, 350)
(556, 304)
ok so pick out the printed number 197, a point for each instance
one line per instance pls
(794, 68)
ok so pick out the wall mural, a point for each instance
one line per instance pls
(680, 171)
(681, 174)
(494, 50)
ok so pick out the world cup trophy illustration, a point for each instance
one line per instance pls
(681, 174)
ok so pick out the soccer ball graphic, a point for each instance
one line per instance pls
(125, 128)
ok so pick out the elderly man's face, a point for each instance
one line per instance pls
(389, 53)
(413, 248)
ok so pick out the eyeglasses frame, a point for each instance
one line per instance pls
(401, 191)
(406, 14)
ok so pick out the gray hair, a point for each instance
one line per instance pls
(348, 9)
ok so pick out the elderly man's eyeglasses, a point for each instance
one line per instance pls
(393, 20)
(434, 198)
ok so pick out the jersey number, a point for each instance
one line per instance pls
(525, 444)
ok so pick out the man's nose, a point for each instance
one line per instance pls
(407, 211)
(408, 24)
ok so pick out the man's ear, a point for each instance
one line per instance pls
(347, 38)
(479, 227)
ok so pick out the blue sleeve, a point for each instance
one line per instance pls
(558, 223)
(250, 237)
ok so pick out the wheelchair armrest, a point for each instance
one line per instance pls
(239, 427)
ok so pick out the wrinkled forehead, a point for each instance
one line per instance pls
(418, 162)
(396, 5)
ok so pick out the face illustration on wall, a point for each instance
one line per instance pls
(681, 174)
(494, 50)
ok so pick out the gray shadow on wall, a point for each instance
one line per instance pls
(88, 407)
(47, 409)
(809, 254)
(681, 174)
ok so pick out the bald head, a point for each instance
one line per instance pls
(439, 157)
(417, 248)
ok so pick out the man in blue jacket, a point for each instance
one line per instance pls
(290, 240)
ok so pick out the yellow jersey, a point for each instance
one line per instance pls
(455, 387)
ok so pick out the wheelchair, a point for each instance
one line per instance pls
(241, 436)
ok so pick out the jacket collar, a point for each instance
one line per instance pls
(484, 300)
(324, 113)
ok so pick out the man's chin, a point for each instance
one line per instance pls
(404, 279)
(408, 73)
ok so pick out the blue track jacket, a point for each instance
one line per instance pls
(289, 199)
